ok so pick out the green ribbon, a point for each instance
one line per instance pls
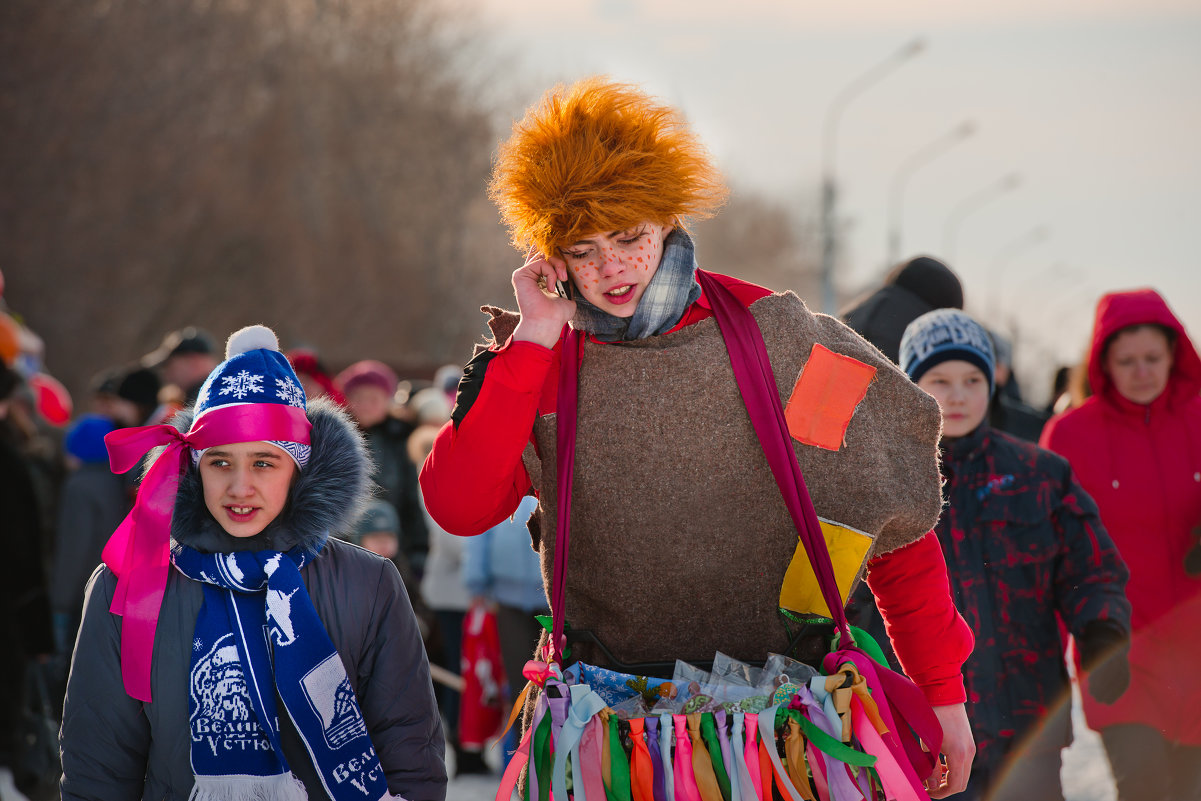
(824, 742)
(709, 735)
(541, 760)
(619, 766)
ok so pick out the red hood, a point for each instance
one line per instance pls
(1116, 311)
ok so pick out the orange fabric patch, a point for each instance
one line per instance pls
(824, 399)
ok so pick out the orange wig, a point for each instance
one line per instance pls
(597, 157)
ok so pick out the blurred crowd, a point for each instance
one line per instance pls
(59, 503)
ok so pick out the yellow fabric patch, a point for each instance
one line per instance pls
(848, 548)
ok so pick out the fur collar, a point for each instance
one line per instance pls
(327, 498)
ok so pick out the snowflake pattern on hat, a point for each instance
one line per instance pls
(242, 384)
(289, 391)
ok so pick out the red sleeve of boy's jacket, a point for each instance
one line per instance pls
(474, 478)
(931, 639)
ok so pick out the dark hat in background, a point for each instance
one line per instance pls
(930, 280)
(178, 343)
(10, 379)
(378, 517)
(942, 335)
(368, 372)
(140, 385)
(106, 382)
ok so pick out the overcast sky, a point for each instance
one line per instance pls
(1095, 104)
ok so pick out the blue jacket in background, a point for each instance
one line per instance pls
(501, 565)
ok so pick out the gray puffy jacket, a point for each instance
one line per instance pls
(115, 747)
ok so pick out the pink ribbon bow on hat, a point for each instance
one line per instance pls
(139, 550)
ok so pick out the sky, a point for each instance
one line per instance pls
(1092, 105)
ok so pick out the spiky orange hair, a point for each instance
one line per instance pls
(599, 156)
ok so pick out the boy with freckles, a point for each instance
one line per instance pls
(679, 540)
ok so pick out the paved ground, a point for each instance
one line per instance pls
(1085, 772)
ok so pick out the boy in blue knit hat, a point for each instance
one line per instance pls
(230, 647)
(1023, 543)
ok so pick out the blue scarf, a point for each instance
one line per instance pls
(672, 289)
(258, 633)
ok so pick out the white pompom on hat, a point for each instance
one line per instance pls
(252, 337)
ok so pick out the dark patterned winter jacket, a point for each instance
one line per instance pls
(1024, 544)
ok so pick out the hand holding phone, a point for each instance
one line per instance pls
(544, 311)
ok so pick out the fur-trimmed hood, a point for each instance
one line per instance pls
(328, 496)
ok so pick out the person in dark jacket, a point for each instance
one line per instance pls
(90, 506)
(919, 285)
(369, 387)
(174, 692)
(1024, 543)
(24, 609)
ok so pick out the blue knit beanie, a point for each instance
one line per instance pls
(254, 372)
(943, 335)
(85, 439)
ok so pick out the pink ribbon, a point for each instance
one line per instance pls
(751, 756)
(685, 782)
(897, 776)
(139, 550)
(508, 781)
(590, 761)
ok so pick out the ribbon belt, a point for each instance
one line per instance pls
(139, 550)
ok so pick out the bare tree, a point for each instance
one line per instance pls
(318, 166)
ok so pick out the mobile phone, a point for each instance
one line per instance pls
(564, 289)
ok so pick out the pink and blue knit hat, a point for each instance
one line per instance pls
(254, 372)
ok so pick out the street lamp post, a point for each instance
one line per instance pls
(972, 204)
(916, 161)
(829, 139)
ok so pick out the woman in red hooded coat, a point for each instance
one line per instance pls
(1136, 447)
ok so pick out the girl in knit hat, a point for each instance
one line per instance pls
(230, 648)
(1025, 547)
(680, 538)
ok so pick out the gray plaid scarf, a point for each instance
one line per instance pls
(672, 289)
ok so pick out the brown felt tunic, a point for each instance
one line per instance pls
(680, 538)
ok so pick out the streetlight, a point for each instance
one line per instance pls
(916, 161)
(1035, 236)
(829, 136)
(970, 205)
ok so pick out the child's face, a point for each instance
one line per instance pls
(961, 389)
(246, 485)
(383, 543)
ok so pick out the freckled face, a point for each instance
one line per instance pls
(612, 270)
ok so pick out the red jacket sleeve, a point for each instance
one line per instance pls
(474, 478)
(930, 638)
